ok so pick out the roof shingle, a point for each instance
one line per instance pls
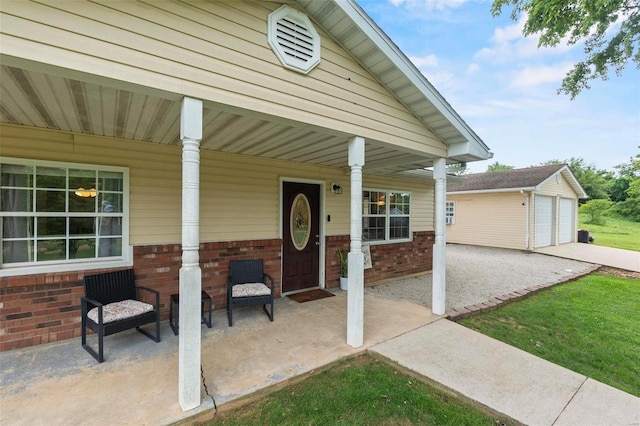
(505, 179)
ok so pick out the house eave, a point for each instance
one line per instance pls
(398, 74)
(490, 191)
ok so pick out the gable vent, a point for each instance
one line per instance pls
(294, 39)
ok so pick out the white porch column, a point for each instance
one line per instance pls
(439, 285)
(355, 294)
(190, 274)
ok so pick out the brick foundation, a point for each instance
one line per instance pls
(389, 260)
(44, 308)
(36, 309)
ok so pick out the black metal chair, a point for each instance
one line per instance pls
(249, 285)
(112, 304)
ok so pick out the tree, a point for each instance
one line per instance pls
(629, 207)
(497, 166)
(610, 30)
(596, 209)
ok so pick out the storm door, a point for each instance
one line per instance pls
(301, 236)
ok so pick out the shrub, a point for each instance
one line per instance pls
(596, 210)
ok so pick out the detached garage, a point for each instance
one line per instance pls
(517, 209)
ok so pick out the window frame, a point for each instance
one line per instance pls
(450, 214)
(79, 264)
(387, 217)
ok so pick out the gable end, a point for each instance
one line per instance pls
(294, 39)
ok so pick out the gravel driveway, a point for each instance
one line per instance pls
(476, 274)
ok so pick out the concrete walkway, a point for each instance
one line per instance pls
(524, 387)
(606, 256)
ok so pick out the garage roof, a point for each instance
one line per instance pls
(527, 179)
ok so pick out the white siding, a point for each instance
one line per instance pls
(239, 194)
(215, 51)
(557, 185)
(494, 220)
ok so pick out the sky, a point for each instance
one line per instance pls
(505, 87)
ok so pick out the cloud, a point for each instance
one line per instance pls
(429, 61)
(533, 76)
(430, 4)
(473, 67)
(508, 43)
(509, 33)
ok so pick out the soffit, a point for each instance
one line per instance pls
(44, 100)
(77, 103)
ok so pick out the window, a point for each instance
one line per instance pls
(450, 213)
(386, 216)
(60, 213)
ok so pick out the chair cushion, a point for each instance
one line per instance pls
(120, 310)
(250, 289)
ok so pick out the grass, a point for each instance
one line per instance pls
(590, 326)
(618, 233)
(361, 391)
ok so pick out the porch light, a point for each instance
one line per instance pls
(336, 188)
(81, 192)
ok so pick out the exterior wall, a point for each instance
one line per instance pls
(388, 260)
(492, 219)
(45, 308)
(215, 51)
(239, 194)
(239, 219)
(557, 187)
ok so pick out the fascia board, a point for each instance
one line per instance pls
(489, 191)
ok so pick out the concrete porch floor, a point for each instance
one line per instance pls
(61, 384)
(138, 382)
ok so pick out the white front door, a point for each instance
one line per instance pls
(543, 216)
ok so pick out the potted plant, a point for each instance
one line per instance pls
(344, 268)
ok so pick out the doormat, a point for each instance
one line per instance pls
(307, 296)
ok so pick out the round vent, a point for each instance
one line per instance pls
(293, 39)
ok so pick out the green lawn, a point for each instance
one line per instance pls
(616, 233)
(361, 391)
(591, 326)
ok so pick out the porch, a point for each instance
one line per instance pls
(138, 383)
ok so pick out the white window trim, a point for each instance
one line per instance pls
(125, 260)
(387, 240)
(450, 220)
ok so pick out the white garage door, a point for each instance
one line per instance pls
(543, 217)
(566, 218)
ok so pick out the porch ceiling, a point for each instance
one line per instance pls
(45, 100)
